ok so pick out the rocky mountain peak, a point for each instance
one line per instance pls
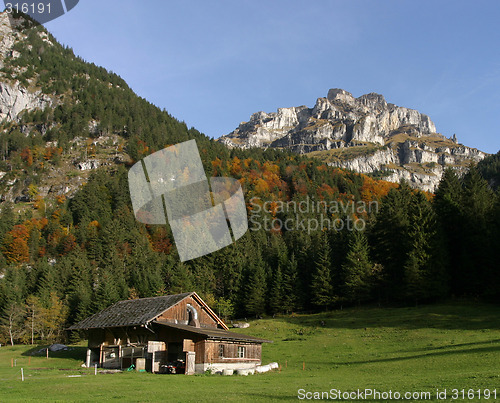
(365, 134)
(373, 100)
(339, 95)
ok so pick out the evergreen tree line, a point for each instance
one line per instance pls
(72, 258)
(91, 252)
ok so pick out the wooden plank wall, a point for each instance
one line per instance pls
(253, 352)
(179, 312)
(199, 349)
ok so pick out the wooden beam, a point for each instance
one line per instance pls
(210, 311)
(101, 358)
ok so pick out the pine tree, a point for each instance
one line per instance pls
(478, 198)
(106, 293)
(80, 293)
(492, 290)
(490, 170)
(228, 266)
(290, 285)
(302, 243)
(447, 205)
(180, 279)
(49, 281)
(390, 239)
(321, 284)
(477, 207)
(255, 289)
(204, 274)
(145, 268)
(424, 273)
(7, 220)
(276, 292)
(357, 269)
(13, 287)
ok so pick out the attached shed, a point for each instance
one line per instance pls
(166, 329)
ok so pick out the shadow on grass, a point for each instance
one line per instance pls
(451, 345)
(270, 397)
(458, 316)
(479, 350)
(72, 353)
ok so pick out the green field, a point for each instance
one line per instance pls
(447, 346)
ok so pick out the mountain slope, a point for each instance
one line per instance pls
(61, 117)
(365, 134)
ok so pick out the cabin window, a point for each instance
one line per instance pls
(221, 350)
(241, 352)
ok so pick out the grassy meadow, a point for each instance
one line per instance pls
(446, 346)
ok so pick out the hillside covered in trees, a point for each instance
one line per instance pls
(64, 257)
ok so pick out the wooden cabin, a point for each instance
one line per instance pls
(156, 331)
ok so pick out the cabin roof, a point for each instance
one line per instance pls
(213, 333)
(134, 312)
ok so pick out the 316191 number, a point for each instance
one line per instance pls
(40, 8)
(472, 394)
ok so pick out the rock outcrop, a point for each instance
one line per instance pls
(14, 98)
(88, 165)
(336, 121)
(401, 142)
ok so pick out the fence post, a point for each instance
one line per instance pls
(22, 374)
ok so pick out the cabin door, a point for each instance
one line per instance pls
(188, 348)
(190, 363)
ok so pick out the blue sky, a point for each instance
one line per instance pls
(214, 63)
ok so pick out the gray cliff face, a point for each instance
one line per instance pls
(401, 141)
(14, 98)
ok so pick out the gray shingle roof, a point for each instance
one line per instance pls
(133, 312)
